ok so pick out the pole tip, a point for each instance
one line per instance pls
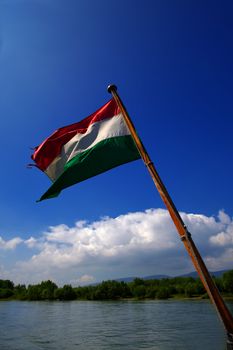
(111, 88)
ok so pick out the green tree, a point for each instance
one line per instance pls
(65, 293)
(138, 282)
(34, 292)
(151, 292)
(199, 288)
(5, 293)
(85, 292)
(20, 292)
(43, 291)
(219, 283)
(228, 281)
(190, 290)
(47, 289)
(139, 292)
(6, 284)
(163, 293)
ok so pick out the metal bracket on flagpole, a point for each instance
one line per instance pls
(148, 163)
(187, 236)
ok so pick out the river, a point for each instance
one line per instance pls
(131, 325)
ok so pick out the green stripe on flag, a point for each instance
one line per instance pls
(104, 156)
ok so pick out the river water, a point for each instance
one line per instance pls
(131, 325)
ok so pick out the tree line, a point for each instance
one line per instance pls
(177, 287)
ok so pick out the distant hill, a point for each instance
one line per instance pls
(212, 273)
(159, 277)
(153, 277)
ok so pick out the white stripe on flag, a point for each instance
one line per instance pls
(95, 133)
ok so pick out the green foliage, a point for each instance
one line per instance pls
(6, 289)
(65, 293)
(138, 282)
(228, 281)
(6, 284)
(43, 291)
(139, 292)
(163, 293)
(20, 292)
(113, 290)
(5, 293)
(219, 283)
(85, 293)
(151, 292)
(33, 292)
(189, 290)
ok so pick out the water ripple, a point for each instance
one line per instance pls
(151, 325)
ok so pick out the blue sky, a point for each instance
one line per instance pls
(172, 63)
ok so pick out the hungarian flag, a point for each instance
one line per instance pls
(79, 151)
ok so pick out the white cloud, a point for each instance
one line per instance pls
(224, 238)
(11, 244)
(85, 279)
(31, 242)
(224, 218)
(140, 243)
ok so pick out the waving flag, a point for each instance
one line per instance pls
(79, 151)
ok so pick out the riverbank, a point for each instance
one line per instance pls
(178, 288)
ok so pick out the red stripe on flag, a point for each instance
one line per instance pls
(48, 150)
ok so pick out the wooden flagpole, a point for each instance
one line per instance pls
(185, 235)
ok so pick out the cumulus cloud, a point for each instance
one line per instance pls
(139, 243)
(224, 238)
